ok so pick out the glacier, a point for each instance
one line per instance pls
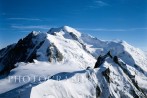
(63, 62)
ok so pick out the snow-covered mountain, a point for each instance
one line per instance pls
(77, 66)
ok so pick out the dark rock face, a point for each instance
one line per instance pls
(77, 39)
(115, 59)
(54, 54)
(23, 51)
(3, 56)
(101, 59)
(98, 92)
(106, 74)
(122, 65)
(132, 78)
(74, 36)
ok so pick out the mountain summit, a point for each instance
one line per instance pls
(108, 68)
(64, 30)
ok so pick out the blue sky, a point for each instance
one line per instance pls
(105, 19)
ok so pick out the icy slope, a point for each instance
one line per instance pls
(120, 78)
(23, 51)
(44, 47)
(64, 53)
(71, 50)
(78, 84)
(129, 54)
(64, 44)
(72, 82)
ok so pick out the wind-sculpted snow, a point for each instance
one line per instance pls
(129, 54)
(64, 63)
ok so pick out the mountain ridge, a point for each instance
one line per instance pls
(64, 48)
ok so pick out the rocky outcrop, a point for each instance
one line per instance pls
(23, 51)
(54, 54)
(98, 92)
(136, 91)
(77, 39)
(106, 74)
(131, 77)
(26, 50)
(101, 59)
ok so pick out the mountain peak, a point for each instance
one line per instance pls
(35, 33)
(64, 30)
(120, 67)
(66, 27)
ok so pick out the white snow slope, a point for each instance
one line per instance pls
(70, 77)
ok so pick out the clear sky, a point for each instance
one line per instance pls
(104, 19)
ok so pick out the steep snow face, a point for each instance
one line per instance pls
(139, 57)
(129, 54)
(67, 53)
(46, 47)
(70, 50)
(89, 43)
(117, 83)
(64, 31)
(23, 51)
(72, 82)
